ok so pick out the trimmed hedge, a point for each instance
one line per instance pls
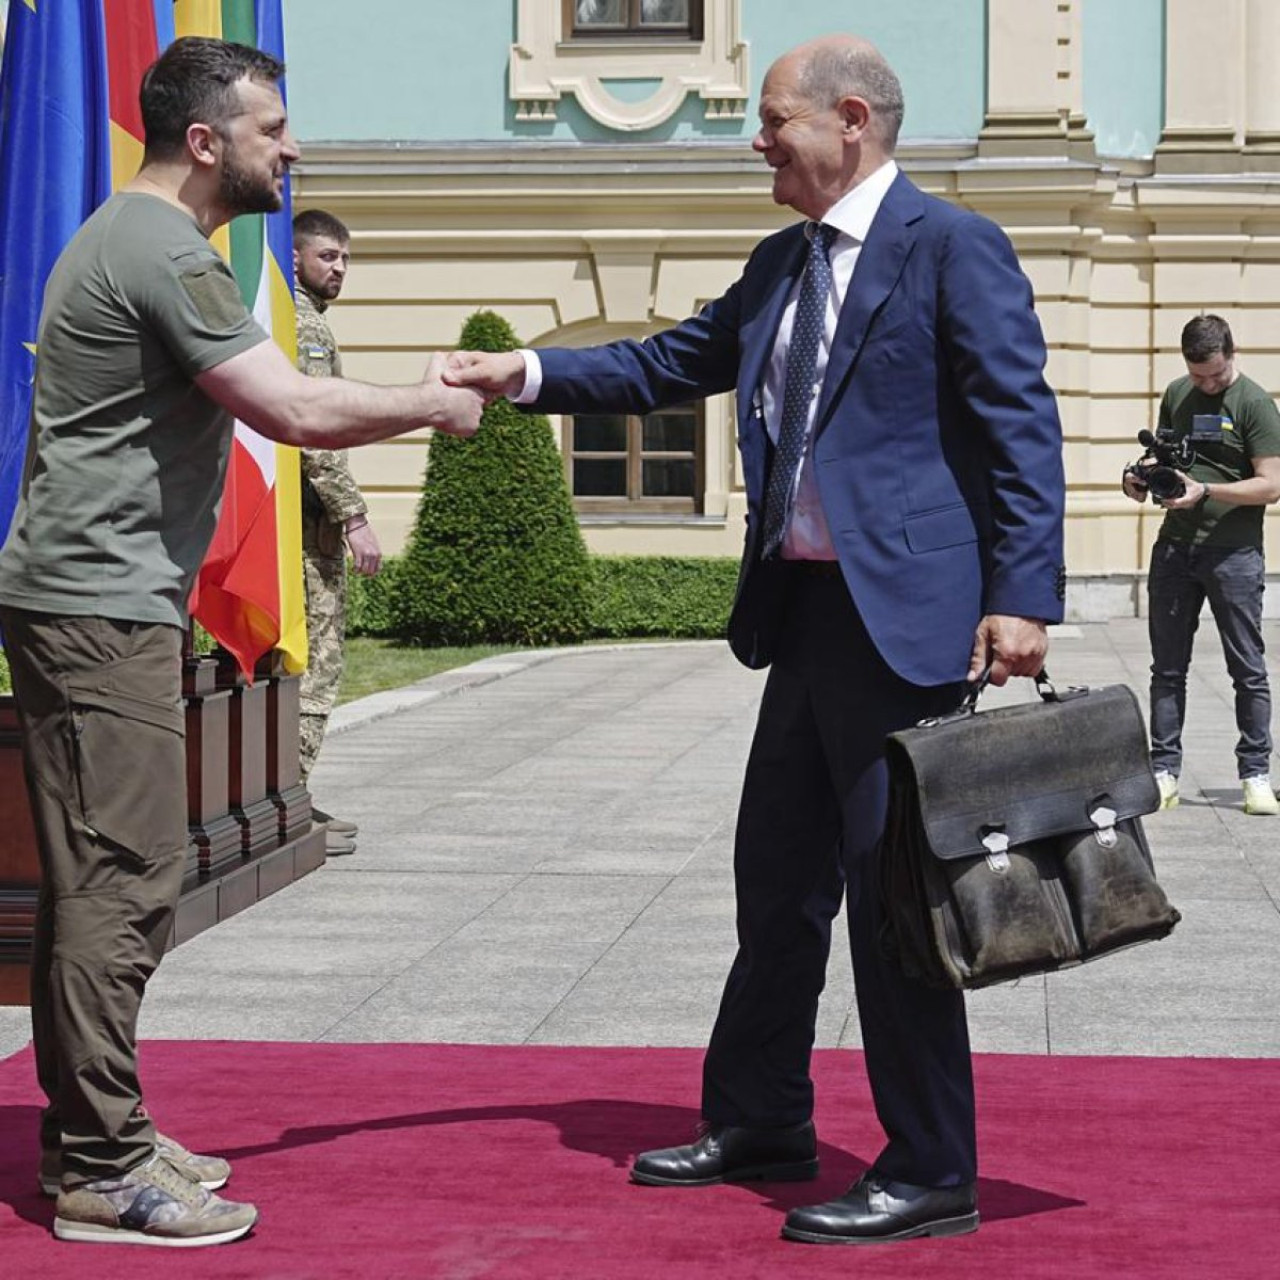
(678, 597)
(495, 555)
(371, 602)
(631, 596)
(5, 684)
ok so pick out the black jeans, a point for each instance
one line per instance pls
(1182, 577)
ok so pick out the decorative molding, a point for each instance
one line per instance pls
(544, 66)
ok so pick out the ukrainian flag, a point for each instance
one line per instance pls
(71, 133)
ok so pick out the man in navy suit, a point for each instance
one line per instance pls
(903, 463)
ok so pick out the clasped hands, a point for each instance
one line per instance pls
(493, 374)
(464, 382)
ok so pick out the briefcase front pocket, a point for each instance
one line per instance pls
(1014, 843)
(1012, 917)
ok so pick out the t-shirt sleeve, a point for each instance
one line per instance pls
(193, 303)
(1262, 428)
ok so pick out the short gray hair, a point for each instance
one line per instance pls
(833, 72)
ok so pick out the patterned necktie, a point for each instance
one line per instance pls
(802, 364)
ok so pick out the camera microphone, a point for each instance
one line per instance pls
(1146, 439)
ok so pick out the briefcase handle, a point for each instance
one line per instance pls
(1044, 687)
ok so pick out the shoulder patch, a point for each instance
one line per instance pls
(215, 294)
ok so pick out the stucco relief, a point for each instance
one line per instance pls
(545, 66)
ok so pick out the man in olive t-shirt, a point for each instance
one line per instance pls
(121, 502)
(145, 356)
(1210, 547)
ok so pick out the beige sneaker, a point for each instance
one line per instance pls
(1168, 785)
(210, 1172)
(152, 1204)
(1260, 796)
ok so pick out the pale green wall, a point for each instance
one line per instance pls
(435, 70)
(430, 70)
(937, 47)
(1124, 74)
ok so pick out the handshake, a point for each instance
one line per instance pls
(492, 374)
(467, 381)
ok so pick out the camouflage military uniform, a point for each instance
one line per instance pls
(329, 499)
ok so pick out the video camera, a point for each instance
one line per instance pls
(1158, 468)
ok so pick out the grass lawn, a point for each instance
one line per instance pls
(374, 665)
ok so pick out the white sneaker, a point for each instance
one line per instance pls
(1168, 785)
(1260, 796)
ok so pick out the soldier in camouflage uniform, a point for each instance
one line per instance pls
(334, 515)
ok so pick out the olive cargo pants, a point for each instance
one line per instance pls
(100, 706)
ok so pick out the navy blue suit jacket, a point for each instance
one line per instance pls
(938, 445)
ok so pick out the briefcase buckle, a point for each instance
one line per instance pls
(1104, 821)
(996, 843)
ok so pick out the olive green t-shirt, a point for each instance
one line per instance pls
(127, 456)
(1247, 427)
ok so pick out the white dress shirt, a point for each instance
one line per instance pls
(806, 536)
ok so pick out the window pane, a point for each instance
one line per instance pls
(599, 433)
(670, 433)
(600, 13)
(599, 478)
(664, 12)
(668, 478)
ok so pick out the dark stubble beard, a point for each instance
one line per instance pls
(244, 192)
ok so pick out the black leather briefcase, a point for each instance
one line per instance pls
(1014, 843)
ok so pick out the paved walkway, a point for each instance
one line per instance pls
(545, 856)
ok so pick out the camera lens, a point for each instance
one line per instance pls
(1165, 482)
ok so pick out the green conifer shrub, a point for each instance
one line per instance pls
(495, 555)
(679, 597)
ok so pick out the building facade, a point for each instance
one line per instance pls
(584, 168)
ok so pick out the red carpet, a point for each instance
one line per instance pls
(385, 1162)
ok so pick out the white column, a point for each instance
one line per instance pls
(1262, 102)
(1024, 110)
(1205, 80)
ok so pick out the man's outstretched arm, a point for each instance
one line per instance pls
(265, 391)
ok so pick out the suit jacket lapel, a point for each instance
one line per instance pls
(761, 330)
(884, 254)
(756, 340)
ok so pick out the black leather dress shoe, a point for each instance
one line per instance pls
(727, 1154)
(876, 1211)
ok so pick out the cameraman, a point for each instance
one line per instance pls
(1210, 547)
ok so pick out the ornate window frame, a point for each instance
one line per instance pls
(545, 66)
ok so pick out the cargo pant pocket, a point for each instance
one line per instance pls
(128, 756)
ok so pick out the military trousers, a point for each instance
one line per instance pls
(100, 706)
(325, 581)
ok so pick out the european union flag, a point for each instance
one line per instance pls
(55, 169)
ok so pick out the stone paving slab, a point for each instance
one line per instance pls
(545, 857)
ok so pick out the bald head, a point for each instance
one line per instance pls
(835, 67)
